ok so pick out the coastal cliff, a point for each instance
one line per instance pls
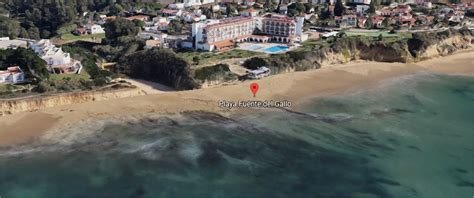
(35, 103)
(420, 46)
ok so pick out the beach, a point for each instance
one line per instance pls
(296, 87)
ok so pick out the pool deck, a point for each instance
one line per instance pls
(259, 47)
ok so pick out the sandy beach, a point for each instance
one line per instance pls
(296, 87)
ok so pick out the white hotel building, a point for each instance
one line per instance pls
(220, 34)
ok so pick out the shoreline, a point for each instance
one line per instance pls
(297, 87)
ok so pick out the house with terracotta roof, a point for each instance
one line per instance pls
(152, 43)
(143, 18)
(402, 9)
(80, 31)
(403, 22)
(251, 12)
(193, 17)
(12, 75)
(361, 21)
(170, 12)
(378, 21)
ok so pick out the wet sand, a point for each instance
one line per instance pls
(296, 87)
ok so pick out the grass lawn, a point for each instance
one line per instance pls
(309, 44)
(207, 57)
(73, 77)
(72, 37)
(384, 34)
(3, 88)
(369, 36)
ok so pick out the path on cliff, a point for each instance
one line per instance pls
(149, 87)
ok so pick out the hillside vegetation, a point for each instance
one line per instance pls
(159, 65)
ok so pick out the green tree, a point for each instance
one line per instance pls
(196, 60)
(9, 28)
(116, 9)
(231, 10)
(386, 22)
(116, 29)
(373, 6)
(308, 7)
(176, 26)
(255, 63)
(296, 9)
(325, 13)
(159, 65)
(339, 8)
(30, 63)
(139, 23)
(269, 5)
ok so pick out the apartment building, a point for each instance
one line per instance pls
(218, 34)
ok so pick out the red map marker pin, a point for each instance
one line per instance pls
(254, 88)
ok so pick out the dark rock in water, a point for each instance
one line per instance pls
(387, 181)
(376, 145)
(413, 147)
(390, 112)
(358, 132)
(374, 156)
(460, 170)
(209, 116)
(139, 192)
(414, 100)
(210, 157)
(394, 141)
(465, 184)
(398, 110)
(326, 119)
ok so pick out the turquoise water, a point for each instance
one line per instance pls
(274, 49)
(411, 137)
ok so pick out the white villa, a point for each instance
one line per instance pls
(189, 3)
(57, 60)
(94, 29)
(221, 34)
(12, 75)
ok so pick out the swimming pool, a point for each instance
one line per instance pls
(274, 49)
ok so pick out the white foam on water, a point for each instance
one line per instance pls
(190, 151)
(235, 161)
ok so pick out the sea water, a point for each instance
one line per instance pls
(410, 137)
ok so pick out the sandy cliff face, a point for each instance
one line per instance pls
(447, 46)
(411, 50)
(41, 102)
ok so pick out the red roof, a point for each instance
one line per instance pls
(168, 11)
(138, 17)
(228, 21)
(251, 10)
(223, 44)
